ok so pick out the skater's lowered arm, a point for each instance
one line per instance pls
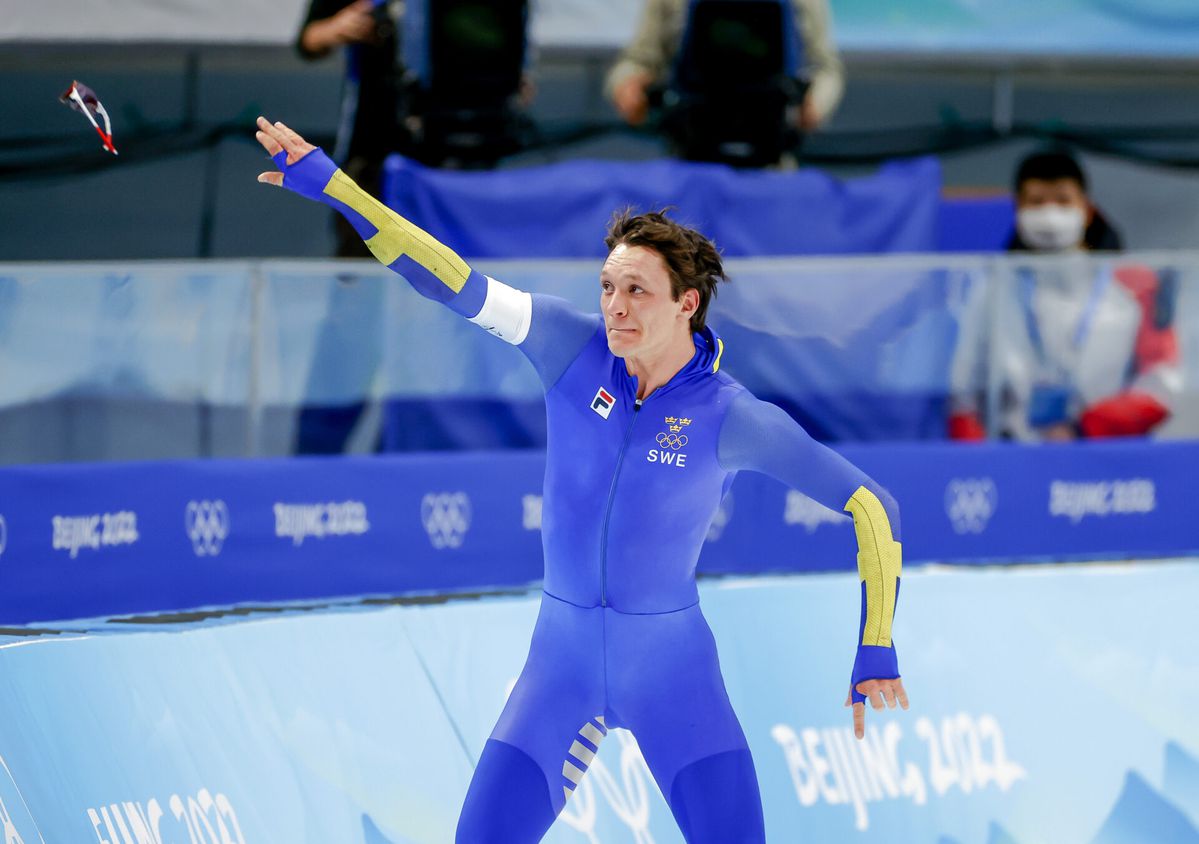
(761, 437)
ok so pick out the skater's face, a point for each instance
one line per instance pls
(642, 317)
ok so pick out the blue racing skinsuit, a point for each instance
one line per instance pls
(631, 487)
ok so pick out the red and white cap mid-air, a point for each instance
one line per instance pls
(83, 99)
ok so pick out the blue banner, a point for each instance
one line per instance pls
(975, 223)
(562, 210)
(85, 541)
(1043, 708)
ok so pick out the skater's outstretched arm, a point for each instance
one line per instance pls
(549, 331)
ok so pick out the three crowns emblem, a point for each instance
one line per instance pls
(677, 424)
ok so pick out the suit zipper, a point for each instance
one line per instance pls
(611, 498)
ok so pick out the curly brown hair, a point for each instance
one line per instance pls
(692, 260)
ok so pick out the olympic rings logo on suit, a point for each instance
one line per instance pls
(970, 503)
(446, 517)
(675, 441)
(207, 525)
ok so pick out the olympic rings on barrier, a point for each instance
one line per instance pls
(446, 517)
(207, 525)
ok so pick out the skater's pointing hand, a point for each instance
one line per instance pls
(877, 692)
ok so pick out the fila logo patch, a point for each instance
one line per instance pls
(602, 403)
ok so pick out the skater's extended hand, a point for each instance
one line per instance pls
(276, 138)
(877, 691)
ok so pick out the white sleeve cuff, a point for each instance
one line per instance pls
(506, 312)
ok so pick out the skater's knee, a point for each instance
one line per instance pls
(508, 801)
(716, 800)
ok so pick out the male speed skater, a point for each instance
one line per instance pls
(645, 435)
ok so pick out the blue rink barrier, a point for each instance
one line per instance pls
(1047, 706)
(92, 540)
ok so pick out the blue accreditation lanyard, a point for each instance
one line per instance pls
(1086, 320)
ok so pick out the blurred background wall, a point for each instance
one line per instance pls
(940, 78)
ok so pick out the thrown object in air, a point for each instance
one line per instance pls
(84, 100)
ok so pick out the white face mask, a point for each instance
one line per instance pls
(1051, 227)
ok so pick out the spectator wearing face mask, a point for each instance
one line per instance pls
(1073, 346)
(1054, 213)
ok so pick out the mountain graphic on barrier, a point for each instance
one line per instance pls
(1181, 781)
(1141, 810)
(999, 835)
(372, 835)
